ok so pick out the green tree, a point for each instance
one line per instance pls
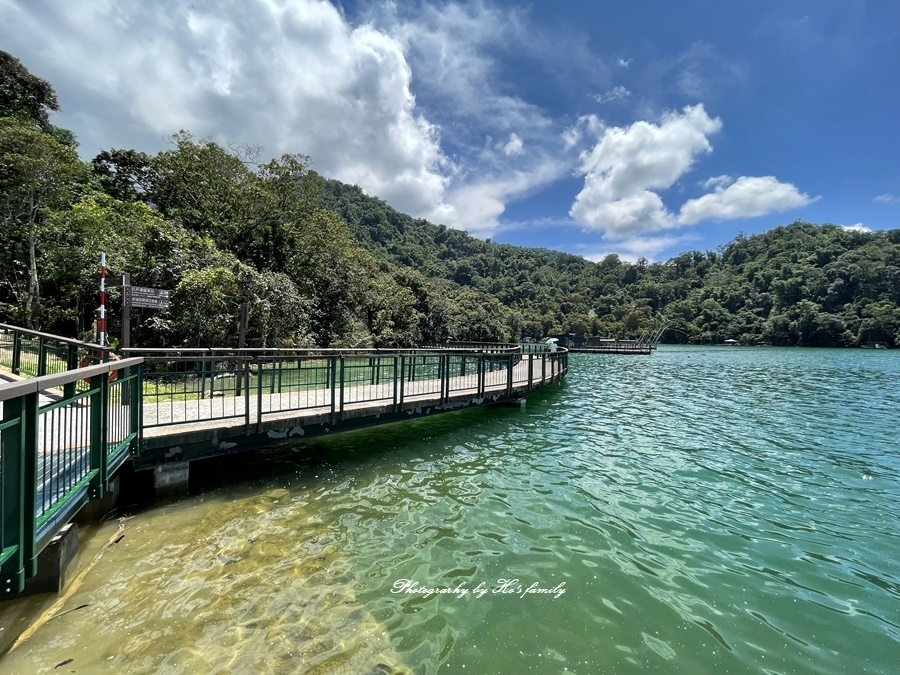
(127, 175)
(24, 96)
(37, 176)
(205, 187)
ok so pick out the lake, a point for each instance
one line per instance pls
(700, 510)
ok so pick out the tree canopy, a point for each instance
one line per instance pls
(24, 96)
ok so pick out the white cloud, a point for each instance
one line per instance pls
(717, 181)
(292, 77)
(514, 146)
(627, 164)
(633, 249)
(452, 49)
(297, 77)
(624, 63)
(887, 199)
(614, 94)
(702, 73)
(481, 203)
(628, 167)
(587, 125)
(747, 197)
(449, 45)
(859, 227)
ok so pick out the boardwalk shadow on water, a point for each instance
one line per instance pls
(393, 443)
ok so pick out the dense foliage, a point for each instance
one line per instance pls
(799, 284)
(320, 262)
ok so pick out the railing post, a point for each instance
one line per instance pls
(100, 385)
(481, 375)
(71, 364)
(332, 372)
(18, 473)
(260, 365)
(42, 357)
(530, 373)
(402, 378)
(509, 374)
(396, 379)
(543, 367)
(136, 396)
(341, 362)
(246, 366)
(16, 353)
(445, 385)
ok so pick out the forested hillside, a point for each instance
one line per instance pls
(799, 284)
(321, 263)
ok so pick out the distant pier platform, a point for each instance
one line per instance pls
(614, 347)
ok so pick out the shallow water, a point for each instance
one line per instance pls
(701, 510)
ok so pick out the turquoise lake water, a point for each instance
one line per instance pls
(700, 510)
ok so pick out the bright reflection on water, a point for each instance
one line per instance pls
(708, 510)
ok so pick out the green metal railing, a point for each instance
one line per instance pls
(29, 353)
(200, 385)
(58, 449)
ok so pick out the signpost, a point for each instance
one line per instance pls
(143, 296)
(139, 296)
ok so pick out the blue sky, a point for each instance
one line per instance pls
(637, 128)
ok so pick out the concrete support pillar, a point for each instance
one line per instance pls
(171, 479)
(96, 509)
(516, 403)
(53, 563)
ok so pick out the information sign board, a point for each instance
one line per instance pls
(142, 296)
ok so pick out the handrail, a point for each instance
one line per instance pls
(31, 353)
(49, 336)
(12, 390)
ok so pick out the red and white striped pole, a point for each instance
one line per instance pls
(102, 325)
